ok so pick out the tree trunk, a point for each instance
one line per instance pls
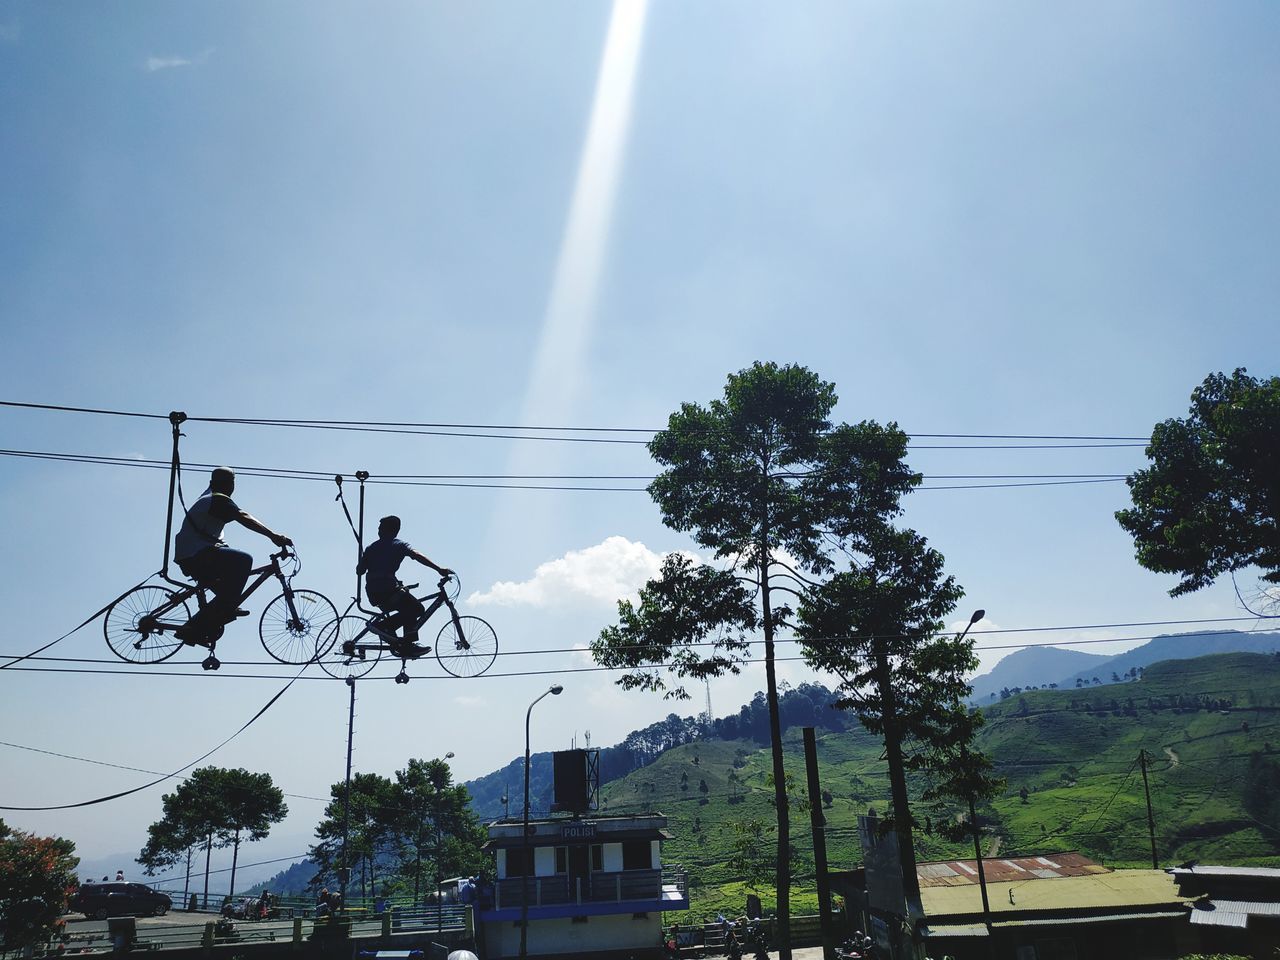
(417, 864)
(208, 852)
(186, 884)
(783, 869)
(235, 856)
(898, 784)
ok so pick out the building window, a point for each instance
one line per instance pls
(519, 861)
(562, 860)
(597, 856)
(636, 855)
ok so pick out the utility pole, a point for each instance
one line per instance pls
(977, 855)
(1151, 820)
(344, 871)
(819, 824)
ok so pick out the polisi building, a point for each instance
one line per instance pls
(592, 885)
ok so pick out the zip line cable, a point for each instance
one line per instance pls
(169, 776)
(451, 480)
(34, 654)
(706, 643)
(433, 429)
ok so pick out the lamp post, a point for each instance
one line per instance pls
(527, 866)
(973, 816)
(439, 900)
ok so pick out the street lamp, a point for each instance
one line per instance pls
(973, 816)
(527, 866)
(439, 846)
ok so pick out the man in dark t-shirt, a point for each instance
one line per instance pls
(203, 556)
(378, 564)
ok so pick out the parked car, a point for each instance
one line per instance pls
(101, 900)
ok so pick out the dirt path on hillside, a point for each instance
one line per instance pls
(1173, 757)
(993, 849)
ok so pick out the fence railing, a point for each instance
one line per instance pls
(598, 887)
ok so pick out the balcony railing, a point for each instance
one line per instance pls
(598, 887)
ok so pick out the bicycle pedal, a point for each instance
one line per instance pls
(211, 663)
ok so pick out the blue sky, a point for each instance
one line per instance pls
(989, 218)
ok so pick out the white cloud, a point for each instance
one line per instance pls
(599, 575)
(153, 64)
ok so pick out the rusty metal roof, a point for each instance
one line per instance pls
(955, 873)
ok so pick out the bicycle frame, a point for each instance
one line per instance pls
(187, 591)
(439, 599)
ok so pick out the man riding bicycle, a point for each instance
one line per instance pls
(378, 564)
(203, 556)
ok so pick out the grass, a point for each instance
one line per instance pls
(1084, 786)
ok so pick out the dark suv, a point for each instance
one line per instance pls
(101, 900)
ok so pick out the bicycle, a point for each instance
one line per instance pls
(352, 645)
(139, 627)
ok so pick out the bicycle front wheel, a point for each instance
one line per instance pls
(336, 653)
(139, 626)
(466, 647)
(289, 632)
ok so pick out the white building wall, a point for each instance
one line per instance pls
(612, 857)
(563, 936)
(544, 861)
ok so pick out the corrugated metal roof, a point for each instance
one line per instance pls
(1210, 918)
(953, 930)
(1113, 889)
(1095, 918)
(979, 930)
(1255, 907)
(947, 873)
(1268, 872)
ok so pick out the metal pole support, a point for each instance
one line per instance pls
(345, 870)
(176, 419)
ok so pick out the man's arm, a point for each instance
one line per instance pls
(257, 526)
(422, 559)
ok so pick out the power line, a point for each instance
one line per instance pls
(124, 793)
(707, 643)
(476, 480)
(438, 429)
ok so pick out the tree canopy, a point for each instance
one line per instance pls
(1209, 503)
(37, 879)
(214, 807)
(779, 494)
(405, 833)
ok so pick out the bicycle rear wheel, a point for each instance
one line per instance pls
(468, 648)
(133, 629)
(292, 639)
(343, 663)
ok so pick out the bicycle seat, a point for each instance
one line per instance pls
(411, 586)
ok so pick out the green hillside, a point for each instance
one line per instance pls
(1074, 752)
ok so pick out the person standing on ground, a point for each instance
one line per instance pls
(203, 556)
(378, 564)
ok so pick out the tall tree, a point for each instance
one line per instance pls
(434, 822)
(370, 834)
(1209, 503)
(250, 804)
(193, 815)
(170, 840)
(37, 879)
(763, 479)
